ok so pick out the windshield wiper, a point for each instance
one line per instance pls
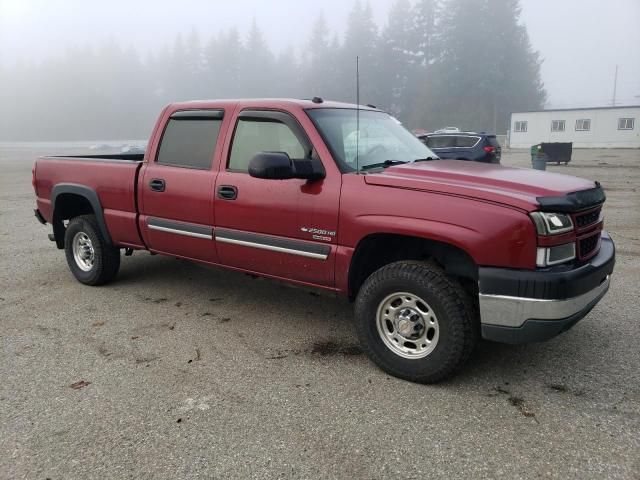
(426, 159)
(385, 164)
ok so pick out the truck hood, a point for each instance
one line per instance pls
(517, 187)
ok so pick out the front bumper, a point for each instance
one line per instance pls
(523, 306)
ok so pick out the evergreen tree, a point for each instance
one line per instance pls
(157, 69)
(257, 65)
(361, 40)
(517, 84)
(485, 70)
(287, 76)
(467, 63)
(395, 60)
(316, 60)
(229, 67)
(194, 62)
(425, 51)
(333, 89)
(176, 70)
(424, 31)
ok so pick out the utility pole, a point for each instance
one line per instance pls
(615, 87)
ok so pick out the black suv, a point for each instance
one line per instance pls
(478, 147)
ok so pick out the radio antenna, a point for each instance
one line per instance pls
(357, 113)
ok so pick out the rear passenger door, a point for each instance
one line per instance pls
(465, 147)
(442, 145)
(176, 190)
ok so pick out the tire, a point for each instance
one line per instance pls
(425, 294)
(91, 259)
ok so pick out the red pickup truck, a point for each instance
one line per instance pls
(435, 253)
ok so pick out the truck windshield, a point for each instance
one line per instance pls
(382, 140)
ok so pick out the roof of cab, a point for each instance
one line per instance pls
(267, 103)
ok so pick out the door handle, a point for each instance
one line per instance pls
(227, 192)
(157, 184)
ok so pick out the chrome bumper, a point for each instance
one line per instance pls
(515, 311)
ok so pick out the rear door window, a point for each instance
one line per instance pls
(189, 139)
(466, 141)
(441, 141)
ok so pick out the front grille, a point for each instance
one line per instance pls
(587, 246)
(586, 219)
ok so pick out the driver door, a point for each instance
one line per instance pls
(280, 228)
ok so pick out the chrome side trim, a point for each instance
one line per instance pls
(95, 158)
(180, 232)
(514, 311)
(273, 248)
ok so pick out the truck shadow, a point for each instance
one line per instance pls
(212, 292)
(239, 300)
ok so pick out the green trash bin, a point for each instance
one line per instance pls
(538, 158)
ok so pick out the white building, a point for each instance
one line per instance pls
(598, 127)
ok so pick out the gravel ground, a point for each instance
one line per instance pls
(192, 372)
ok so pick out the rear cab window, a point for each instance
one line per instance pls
(189, 139)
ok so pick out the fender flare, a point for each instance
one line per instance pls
(432, 230)
(83, 191)
(446, 235)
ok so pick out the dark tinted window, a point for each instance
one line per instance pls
(441, 141)
(189, 142)
(466, 142)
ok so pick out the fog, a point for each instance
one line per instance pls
(480, 67)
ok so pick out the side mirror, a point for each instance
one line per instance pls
(278, 166)
(271, 166)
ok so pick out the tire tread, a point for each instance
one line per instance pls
(454, 298)
(107, 256)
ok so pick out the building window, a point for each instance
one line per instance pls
(520, 126)
(583, 125)
(557, 125)
(626, 123)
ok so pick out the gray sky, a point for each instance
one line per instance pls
(581, 41)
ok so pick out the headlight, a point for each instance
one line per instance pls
(547, 256)
(552, 223)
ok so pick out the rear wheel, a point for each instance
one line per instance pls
(91, 259)
(415, 322)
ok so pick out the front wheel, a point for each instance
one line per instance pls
(415, 322)
(91, 259)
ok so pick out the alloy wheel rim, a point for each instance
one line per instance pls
(407, 325)
(83, 252)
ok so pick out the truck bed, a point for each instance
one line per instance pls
(113, 178)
